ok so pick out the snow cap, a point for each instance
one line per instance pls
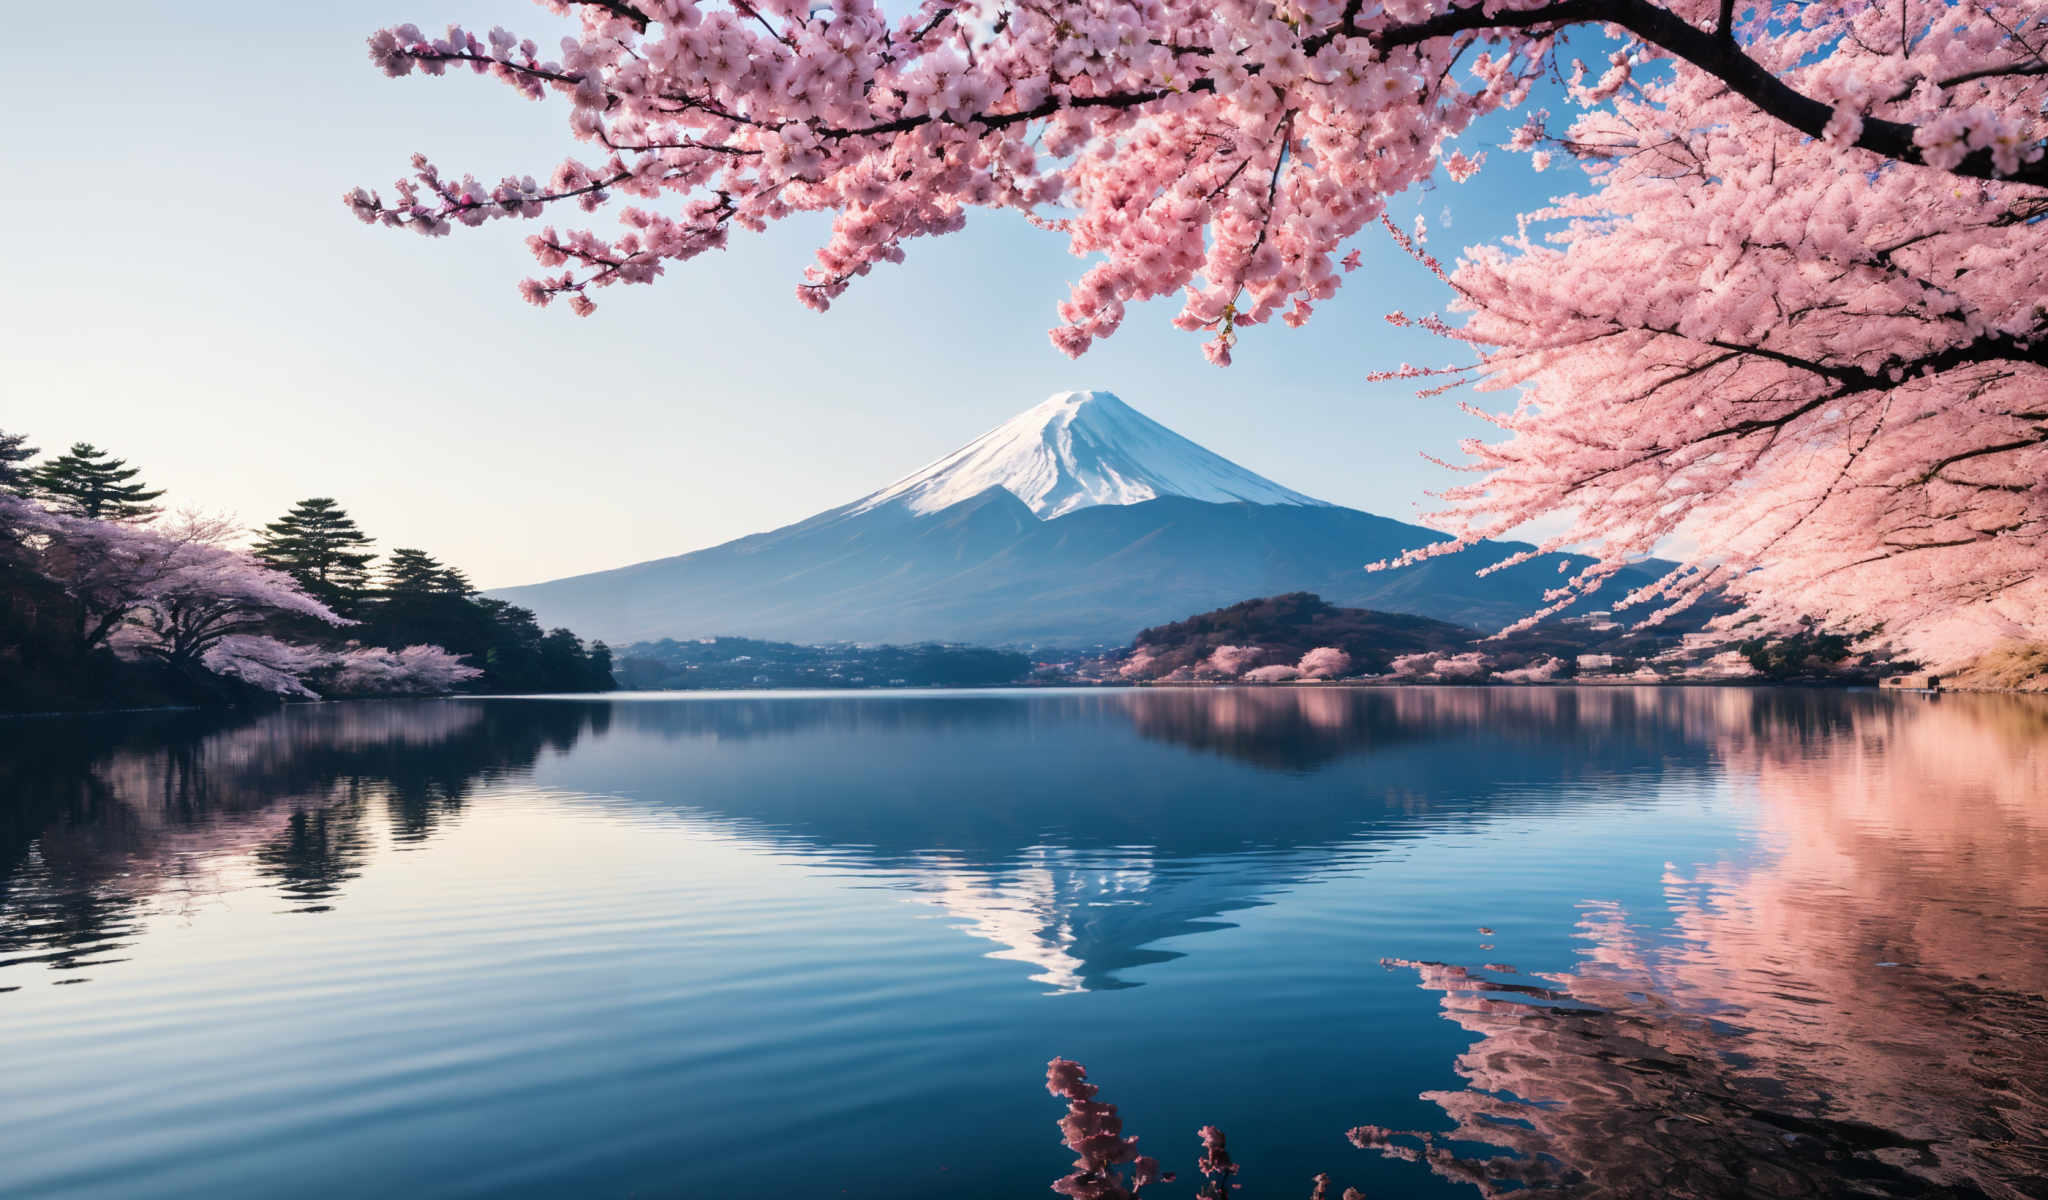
(1077, 450)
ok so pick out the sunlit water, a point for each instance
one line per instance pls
(1592, 942)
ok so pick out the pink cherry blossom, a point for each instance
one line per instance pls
(1232, 661)
(415, 670)
(1818, 370)
(175, 593)
(1793, 321)
(1275, 673)
(1324, 662)
(1229, 159)
(267, 663)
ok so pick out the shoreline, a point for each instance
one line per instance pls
(1188, 685)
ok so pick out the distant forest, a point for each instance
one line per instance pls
(1255, 640)
(1287, 627)
(106, 601)
(735, 662)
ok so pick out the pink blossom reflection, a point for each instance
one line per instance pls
(1861, 1012)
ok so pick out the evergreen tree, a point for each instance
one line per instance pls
(601, 668)
(421, 601)
(562, 665)
(88, 482)
(14, 450)
(416, 573)
(318, 544)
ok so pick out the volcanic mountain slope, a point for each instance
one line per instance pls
(1076, 523)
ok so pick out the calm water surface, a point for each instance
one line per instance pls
(1593, 942)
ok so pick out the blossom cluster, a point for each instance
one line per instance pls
(1094, 1132)
(1243, 662)
(1217, 151)
(1819, 370)
(172, 592)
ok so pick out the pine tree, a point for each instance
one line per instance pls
(455, 583)
(86, 481)
(601, 668)
(414, 573)
(318, 544)
(14, 450)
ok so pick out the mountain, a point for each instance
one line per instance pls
(1079, 450)
(1077, 523)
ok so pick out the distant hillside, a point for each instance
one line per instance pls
(1070, 526)
(1279, 630)
(733, 662)
(1283, 628)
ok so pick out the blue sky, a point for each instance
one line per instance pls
(188, 291)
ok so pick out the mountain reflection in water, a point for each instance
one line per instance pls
(1042, 866)
(1852, 1004)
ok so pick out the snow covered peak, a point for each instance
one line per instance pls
(1078, 450)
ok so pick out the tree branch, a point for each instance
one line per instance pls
(1718, 56)
(1715, 52)
(619, 8)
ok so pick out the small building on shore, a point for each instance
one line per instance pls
(1912, 683)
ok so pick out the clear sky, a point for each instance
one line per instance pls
(186, 289)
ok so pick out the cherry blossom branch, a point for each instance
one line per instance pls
(1723, 58)
(619, 8)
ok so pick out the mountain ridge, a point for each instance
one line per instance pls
(988, 568)
(1080, 449)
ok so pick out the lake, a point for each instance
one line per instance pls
(1563, 942)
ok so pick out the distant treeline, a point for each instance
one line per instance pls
(734, 662)
(1241, 640)
(411, 598)
(107, 602)
(1284, 628)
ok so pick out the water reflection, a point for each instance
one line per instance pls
(1849, 1002)
(1035, 822)
(104, 818)
(1863, 1011)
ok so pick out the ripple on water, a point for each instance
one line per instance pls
(1656, 942)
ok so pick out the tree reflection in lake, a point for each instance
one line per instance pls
(1848, 1001)
(107, 816)
(1864, 1012)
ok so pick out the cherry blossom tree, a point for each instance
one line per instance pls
(1541, 670)
(286, 667)
(1823, 369)
(203, 592)
(1793, 322)
(413, 671)
(1471, 665)
(1323, 662)
(114, 572)
(267, 663)
(1221, 149)
(1232, 660)
(174, 593)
